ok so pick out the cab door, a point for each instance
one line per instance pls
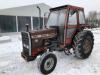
(61, 25)
(71, 26)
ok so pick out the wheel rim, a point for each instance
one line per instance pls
(49, 64)
(87, 46)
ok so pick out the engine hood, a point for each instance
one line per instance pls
(44, 33)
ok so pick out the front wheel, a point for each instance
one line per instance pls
(47, 63)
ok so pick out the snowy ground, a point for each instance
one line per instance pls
(11, 63)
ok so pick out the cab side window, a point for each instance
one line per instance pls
(81, 17)
(72, 18)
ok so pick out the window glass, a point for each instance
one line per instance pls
(62, 17)
(36, 23)
(7, 23)
(53, 18)
(56, 18)
(22, 21)
(72, 18)
(81, 17)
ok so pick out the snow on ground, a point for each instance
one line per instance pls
(11, 63)
(4, 39)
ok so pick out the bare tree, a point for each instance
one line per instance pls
(92, 15)
(92, 19)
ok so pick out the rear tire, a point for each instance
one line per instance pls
(83, 44)
(47, 63)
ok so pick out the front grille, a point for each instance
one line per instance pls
(25, 41)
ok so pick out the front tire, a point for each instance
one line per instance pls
(83, 44)
(47, 63)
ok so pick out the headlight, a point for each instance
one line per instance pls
(36, 40)
(26, 46)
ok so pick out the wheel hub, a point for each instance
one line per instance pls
(49, 64)
(87, 46)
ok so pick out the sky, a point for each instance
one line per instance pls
(89, 5)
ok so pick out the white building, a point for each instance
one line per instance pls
(14, 19)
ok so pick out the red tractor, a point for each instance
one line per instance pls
(65, 29)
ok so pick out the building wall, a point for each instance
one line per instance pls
(10, 24)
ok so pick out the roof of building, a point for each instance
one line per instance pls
(29, 10)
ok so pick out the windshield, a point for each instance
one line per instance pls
(56, 18)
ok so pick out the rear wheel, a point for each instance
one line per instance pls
(83, 44)
(47, 63)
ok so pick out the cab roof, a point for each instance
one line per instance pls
(66, 7)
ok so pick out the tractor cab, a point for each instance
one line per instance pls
(66, 20)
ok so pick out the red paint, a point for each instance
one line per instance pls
(75, 7)
(68, 41)
(35, 51)
(77, 26)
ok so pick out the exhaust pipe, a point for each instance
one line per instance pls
(27, 27)
(40, 26)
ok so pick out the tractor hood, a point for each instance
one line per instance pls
(44, 33)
